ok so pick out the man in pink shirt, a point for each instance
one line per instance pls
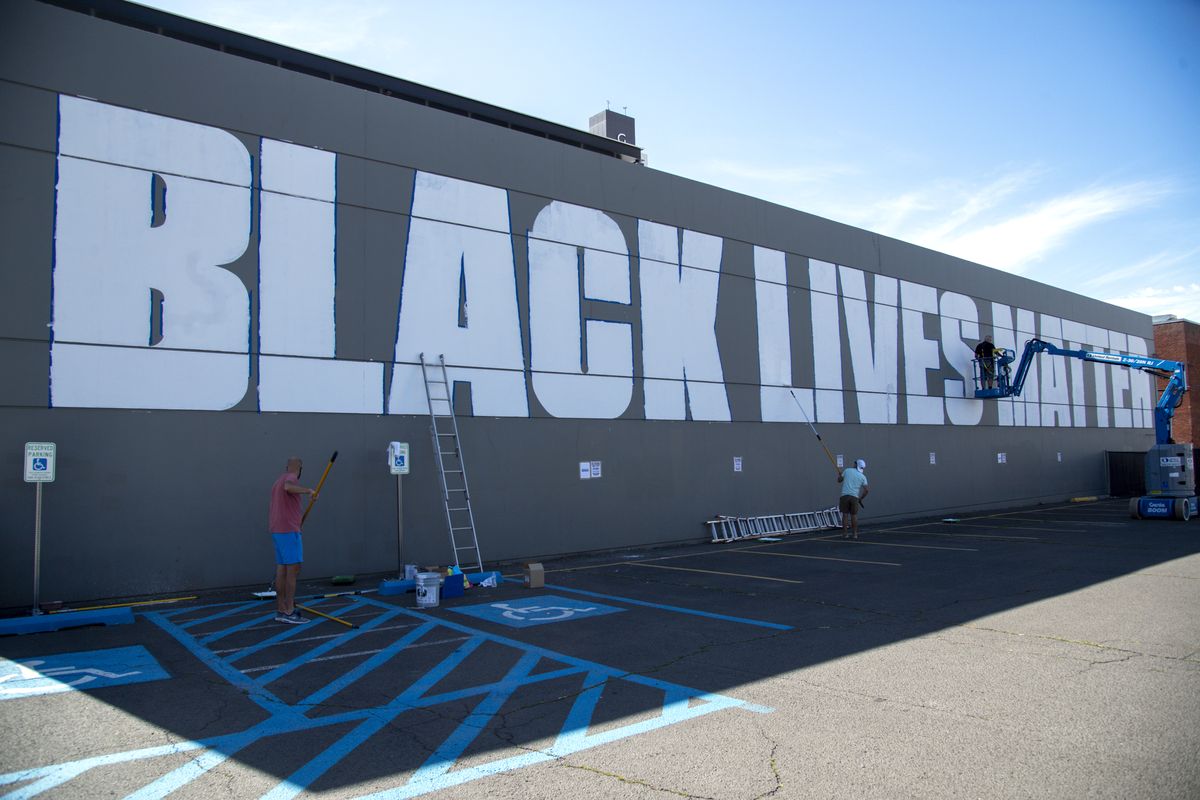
(284, 520)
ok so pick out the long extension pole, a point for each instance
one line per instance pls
(125, 605)
(327, 616)
(832, 460)
(312, 500)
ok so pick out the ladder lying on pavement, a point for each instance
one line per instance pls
(731, 529)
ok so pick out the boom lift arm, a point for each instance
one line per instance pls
(998, 381)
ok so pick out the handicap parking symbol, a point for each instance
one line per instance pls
(541, 610)
(40, 464)
(68, 672)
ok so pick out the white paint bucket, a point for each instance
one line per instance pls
(429, 585)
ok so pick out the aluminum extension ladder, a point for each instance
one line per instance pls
(452, 470)
(731, 529)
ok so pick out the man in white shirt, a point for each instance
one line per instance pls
(854, 489)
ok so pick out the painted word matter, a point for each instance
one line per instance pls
(151, 210)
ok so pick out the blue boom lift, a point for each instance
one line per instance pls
(1170, 467)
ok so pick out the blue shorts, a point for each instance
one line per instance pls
(288, 548)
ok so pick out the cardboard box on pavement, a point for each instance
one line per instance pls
(535, 576)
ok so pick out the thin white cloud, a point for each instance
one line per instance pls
(1016, 243)
(977, 202)
(1182, 300)
(984, 224)
(978, 222)
(891, 215)
(1165, 262)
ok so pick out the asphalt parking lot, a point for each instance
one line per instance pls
(1047, 652)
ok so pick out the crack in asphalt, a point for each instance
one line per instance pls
(1083, 643)
(1167, 575)
(636, 782)
(772, 763)
(877, 698)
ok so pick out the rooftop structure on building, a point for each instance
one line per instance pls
(255, 49)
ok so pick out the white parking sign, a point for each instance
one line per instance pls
(398, 458)
(39, 462)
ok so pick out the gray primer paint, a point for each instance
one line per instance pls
(157, 500)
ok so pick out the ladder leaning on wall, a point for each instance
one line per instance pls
(452, 470)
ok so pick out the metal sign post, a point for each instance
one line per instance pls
(398, 466)
(39, 469)
(37, 554)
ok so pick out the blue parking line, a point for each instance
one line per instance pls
(206, 760)
(191, 623)
(375, 661)
(241, 626)
(315, 768)
(584, 706)
(429, 701)
(253, 690)
(446, 755)
(684, 693)
(678, 704)
(294, 630)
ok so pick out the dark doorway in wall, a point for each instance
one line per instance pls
(1126, 473)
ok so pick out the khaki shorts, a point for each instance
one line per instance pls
(848, 504)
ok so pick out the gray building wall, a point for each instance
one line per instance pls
(162, 477)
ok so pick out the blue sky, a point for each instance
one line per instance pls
(1059, 140)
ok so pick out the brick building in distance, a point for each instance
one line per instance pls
(1179, 340)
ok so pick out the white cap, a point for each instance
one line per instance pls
(860, 464)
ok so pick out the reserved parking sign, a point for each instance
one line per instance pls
(39, 462)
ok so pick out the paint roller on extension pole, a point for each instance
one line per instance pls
(312, 500)
(270, 592)
(832, 460)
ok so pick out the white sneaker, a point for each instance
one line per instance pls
(293, 618)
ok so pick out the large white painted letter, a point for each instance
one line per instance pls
(1022, 410)
(1141, 388)
(680, 358)
(1098, 339)
(875, 365)
(459, 237)
(148, 209)
(297, 289)
(775, 341)
(1004, 337)
(1119, 378)
(826, 341)
(960, 319)
(1056, 399)
(920, 355)
(568, 241)
(1029, 399)
(1074, 338)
